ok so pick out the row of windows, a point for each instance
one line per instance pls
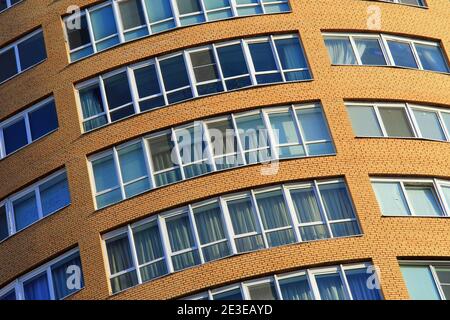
(28, 126)
(343, 282)
(202, 147)
(385, 50)
(190, 74)
(427, 280)
(22, 55)
(229, 225)
(55, 280)
(419, 3)
(5, 4)
(33, 203)
(413, 197)
(113, 22)
(399, 120)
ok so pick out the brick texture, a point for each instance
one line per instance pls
(384, 239)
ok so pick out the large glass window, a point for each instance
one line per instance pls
(112, 24)
(176, 79)
(384, 49)
(55, 280)
(229, 225)
(427, 281)
(5, 4)
(418, 197)
(106, 181)
(118, 96)
(165, 167)
(30, 51)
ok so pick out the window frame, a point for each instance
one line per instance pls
(17, 284)
(423, 6)
(9, 5)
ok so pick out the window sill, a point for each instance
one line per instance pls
(389, 66)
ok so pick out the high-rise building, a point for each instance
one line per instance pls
(224, 149)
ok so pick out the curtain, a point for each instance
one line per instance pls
(432, 58)
(279, 238)
(196, 169)
(357, 281)
(54, 194)
(147, 241)
(180, 234)
(59, 275)
(263, 291)
(91, 105)
(161, 150)
(343, 229)
(273, 210)
(168, 177)
(132, 163)
(296, 289)
(252, 132)
(25, 211)
(337, 202)
(209, 223)
(390, 198)
(340, 51)
(370, 52)
(241, 215)
(153, 270)
(330, 287)
(37, 288)
(314, 232)
(306, 206)
(131, 13)
(290, 53)
(185, 260)
(119, 254)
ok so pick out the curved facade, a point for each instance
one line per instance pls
(378, 73)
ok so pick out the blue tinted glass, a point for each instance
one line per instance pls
(158, 10)
(105, 174)
(3, 223)
(370, 52)
(361, 286)
(43, 120)
(432, 58)
(174, 73)
(147, 81)
(330, 287)
(216, 4)
(402, 54)
(262, 56)
(117, 90)
(32, 51)
(54, 194)
(77, 37)
(61, 276)
(8, 66)
(290, 53)
(313, 124)
(103, 23)
(188, 6)
(25, 211)
(15, 136)
(420, 283)
(37, 288)
(232, 60)
(10, 296)
(131, 13)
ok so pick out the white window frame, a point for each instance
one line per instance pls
(17, 284)
(10, 5)
(424, 6)
(8, 203)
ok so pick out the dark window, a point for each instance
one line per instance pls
(43, 120)
(8, 66)
(3, 224)
(15, 136)
(77, 37)
(32, 51)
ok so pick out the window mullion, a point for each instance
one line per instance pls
(380, 121)
(437, 282)
(190, 72)
(277, 58)
(177, 151)
(118, 20)
(119, 173)
(249, 61)
(175, 12)
(165, 243)
(27, 127)
(38, 202)
(51, 289)
(386, 50)
(323, 212)
(292, 213)
(148, 162)
(146, 18)
(161, 81)
(277, 287)
(299, 130)
(203, 8)
(91, 31)
(355, 50)
(209, 146)
(134, 253)
(441, 197)
(313, 285)
(413, 122)
(195, 231)
(416, 55)
(228, 224)
(258, 217)
(17, 56)
(272, 141)
(238, 139)
(408, 203)
(219, 67)
(133, 90)
(10, 217)
(343, 276)
(104, 99)
(233, 8)
(2, 145)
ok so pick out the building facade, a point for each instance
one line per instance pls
(332, 183)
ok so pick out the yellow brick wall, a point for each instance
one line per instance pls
(384, 238)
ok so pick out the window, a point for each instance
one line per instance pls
(426, 281)
(27, 126)
(384, 49)
(34, 203)
(48, 282)
(412, 197)
(22, 55)
(229, 225)
(202, 147)
(399, 120)
(419, 3)
(5, 4)
(110, 23)
(191, 74)
(344, 282)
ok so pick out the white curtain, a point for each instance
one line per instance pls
(330, 287)
(296, 289)
(340, 51)
(37, 288)
(357, 281)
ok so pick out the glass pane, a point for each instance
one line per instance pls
(25, 211)
(336, 201)
(158, 10)
(91, 106)
(396, 122)
(154, 270)
(340, 50)
(77, 37)
(432, 58)
(370, 52)
(262, 56)
(272, 209)
(62, 274)
(223, 138)
(420, 283)
(37, 288)
(296, 289)
(148, 244)
(3, 224)
(105, 173)
(305, 204)
(313, 124)
(263, 291)
(191, 144)
(124, 281)
(103, 23)
(147, 81)
(185, 260)
(232, 60)
(330, 287)
(204, 65)
(209, 223)
(188, 6)
(249, 243)
(32, 51)
(423, 200)
(315, 232)
(443, 274)
(119, 254)
(252, 132)
(284, 128)
(54, 194)
(180, 233)
(15, 136)
(174, 73)
(364, 121)
(345, 229)
(161, 152)
(360, 285)
(402, 54)
(290, 53)
(230, 295)
(117, 90)
(280, 238)
(429, 124)
(8, 65)
(9, 296)
(131, 13)
(43, 120)
(390, 198)
(133, 167)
